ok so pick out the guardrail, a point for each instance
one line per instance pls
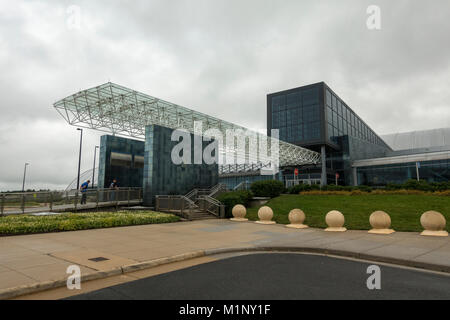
(177, 204)
(217, 190)
(43, 201)
(211, 205)
(245, 185)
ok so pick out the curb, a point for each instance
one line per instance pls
(53, 284)
(15, 292)
(338, 253)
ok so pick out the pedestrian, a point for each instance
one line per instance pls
(113, 186)
(84, 188)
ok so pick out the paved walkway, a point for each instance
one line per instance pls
(26, 260)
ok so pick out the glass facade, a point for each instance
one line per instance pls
(431, 171)
(162, 176)
(314, 116)
(342, 121)
(297, 114)
(120, 159)
(232, 181)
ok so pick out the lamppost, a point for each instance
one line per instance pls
(79, 158)
(24, 174)
(93, 170)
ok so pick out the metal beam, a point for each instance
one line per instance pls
(123, 111)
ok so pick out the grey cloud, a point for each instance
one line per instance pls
(219, 57)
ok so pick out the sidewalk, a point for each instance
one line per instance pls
(27, 260)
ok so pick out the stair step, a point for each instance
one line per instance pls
(201, 215)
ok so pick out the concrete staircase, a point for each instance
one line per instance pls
(200, 215)
(195, 205)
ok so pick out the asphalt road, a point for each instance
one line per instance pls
(279, 277)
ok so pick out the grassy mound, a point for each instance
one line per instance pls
(405, 210)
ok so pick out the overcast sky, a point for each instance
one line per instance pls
(218, 57)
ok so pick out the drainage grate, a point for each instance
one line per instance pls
(98, 259)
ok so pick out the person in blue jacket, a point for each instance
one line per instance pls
(84, 188)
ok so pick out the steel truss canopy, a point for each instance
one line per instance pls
(122, 111)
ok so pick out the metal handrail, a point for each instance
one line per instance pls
(214, 206)
(51, 201)
(192, 194)
(64, 191)
(211, 199)
(217, 190)
(244, 185)
(182, 208)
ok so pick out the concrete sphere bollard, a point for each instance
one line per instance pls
(239, 212)
(297, 217)
(335, 221)
(381, 223)
(265, 215)
(434, 224)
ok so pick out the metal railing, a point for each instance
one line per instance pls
(51, 201)
(180, 205)
(211, 205)
(217, 190)
(212, 192)
(244, 185)
(195, 200)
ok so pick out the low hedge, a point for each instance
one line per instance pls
(268, 188)
(26, 224)
(374, 193)
(421, 185)
(410, 185)
(230, 199)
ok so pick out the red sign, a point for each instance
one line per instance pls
(296, 172)
(337, 175)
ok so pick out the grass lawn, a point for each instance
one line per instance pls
(405, 210)
(27, 224)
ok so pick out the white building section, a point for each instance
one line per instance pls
(419, 139)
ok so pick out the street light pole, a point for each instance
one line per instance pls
(417, 170)
(93, 170)
(24, 174)
(79, 158)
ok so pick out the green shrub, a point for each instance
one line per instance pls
(364, 188)
(230, 199)
(299, 188)
(417, 185)
(332, 187)
(26, 224)
(393, 186)
(440, 186)
(268, 188)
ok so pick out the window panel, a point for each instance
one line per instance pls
(310, 96)
(311, 113)
(328, 102)
(312, 131)
(329, 115)
(282, 119)
(293, 100)
(340, 108)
